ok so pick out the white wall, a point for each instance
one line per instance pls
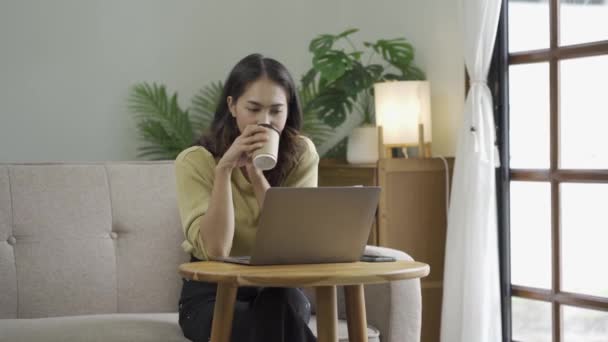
(66, 66)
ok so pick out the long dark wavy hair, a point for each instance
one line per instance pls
(224, 129)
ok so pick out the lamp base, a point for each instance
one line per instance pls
(424, 152)
(386, 150)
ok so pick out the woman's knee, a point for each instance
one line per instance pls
(300, 303)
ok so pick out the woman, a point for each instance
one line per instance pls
(220, 193)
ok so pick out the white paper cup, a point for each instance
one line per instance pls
(265, 158)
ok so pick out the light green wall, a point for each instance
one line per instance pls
(66, 65)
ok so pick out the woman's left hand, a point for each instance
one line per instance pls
(258, 180)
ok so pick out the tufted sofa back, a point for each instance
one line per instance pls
(88, 238)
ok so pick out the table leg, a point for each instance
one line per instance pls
(327, 314)
(223, 312)
(354, 299)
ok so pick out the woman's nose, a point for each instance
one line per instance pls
(263, 117)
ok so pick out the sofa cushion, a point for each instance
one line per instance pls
(118, 328)
(64, 256)
(108, 231)
(147, 233)
(93, 328)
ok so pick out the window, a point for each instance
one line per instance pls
(549, 79)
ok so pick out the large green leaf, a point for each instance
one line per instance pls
(398, 52)
(413, 73)
(332, 106)
(375, 72)
(356, 55)
(321, 44)
(355, 80)
(324, 42)
(204, 104)
(323, 101)
(347, 33)
(331, 65)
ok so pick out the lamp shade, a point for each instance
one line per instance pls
(400, 107)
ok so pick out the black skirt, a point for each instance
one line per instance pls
(269, 314)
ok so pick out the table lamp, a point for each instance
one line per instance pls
(403, 114)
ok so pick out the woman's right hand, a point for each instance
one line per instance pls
(239, 154)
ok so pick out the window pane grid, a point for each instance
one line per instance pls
(561, 298)
(554, 176)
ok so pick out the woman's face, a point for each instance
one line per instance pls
(263, 101)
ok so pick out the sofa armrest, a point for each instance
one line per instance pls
(394, 308)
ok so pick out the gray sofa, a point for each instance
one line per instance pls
(89, 252)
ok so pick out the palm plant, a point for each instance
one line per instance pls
(162, 124)
(166, 129)
(204, 104)
(312, 125)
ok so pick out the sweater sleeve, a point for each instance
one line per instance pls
(194, 181)
(305, 172)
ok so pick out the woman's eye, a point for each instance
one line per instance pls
(255, 110)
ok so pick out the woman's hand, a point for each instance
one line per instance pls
(253, 172)
(239, 154)
(258, 181)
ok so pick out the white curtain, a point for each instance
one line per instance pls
(471, 289)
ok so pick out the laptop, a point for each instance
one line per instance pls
(312, 226)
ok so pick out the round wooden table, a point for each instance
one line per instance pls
(323, 277)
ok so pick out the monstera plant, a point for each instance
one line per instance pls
(166, 129)
(342, 76)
